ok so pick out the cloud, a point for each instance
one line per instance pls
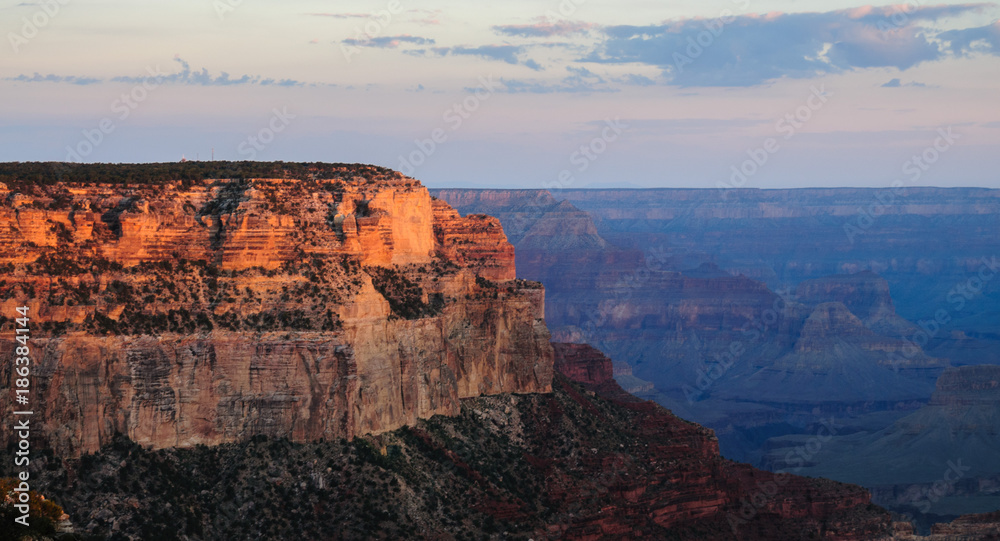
(751, 50)
(897, 16)
(634, 79)
(580, 80)
(984, 39)
(544, 29)
(533, 65)
(51, 78)
(896, 83)
(388, 42)
(511, 54)
(203, 78)
(184, 77)
(505, 53)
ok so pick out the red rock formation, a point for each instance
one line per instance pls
(476, 241)
(582, 363)
(263, 223)
(231, 309)
(982, 527)
(968, 528)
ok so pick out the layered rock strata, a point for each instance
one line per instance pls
(207, 312)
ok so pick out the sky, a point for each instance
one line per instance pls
(547, 94)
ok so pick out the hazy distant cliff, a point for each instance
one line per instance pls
(747, 309)
(212, 311)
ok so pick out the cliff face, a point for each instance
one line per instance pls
(380, 218)
(210, 313)
(968, 386)
(966, 528)
(583, 364)
(477, 240)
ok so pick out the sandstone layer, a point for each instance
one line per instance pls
(212, 311)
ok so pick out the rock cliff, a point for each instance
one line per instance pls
(583, 364)
(185, 313)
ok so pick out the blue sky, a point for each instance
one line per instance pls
(562, 93)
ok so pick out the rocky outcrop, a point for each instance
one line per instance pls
(216, 311)
(582, 363)
(927, 243)
(968, 528)
(981, 527)
(475, 241)
(866, 295)
(533, 218)
(835, 350)
(968, 386)
(627, 380)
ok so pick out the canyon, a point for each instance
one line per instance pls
(765, 313)
(326, 339)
